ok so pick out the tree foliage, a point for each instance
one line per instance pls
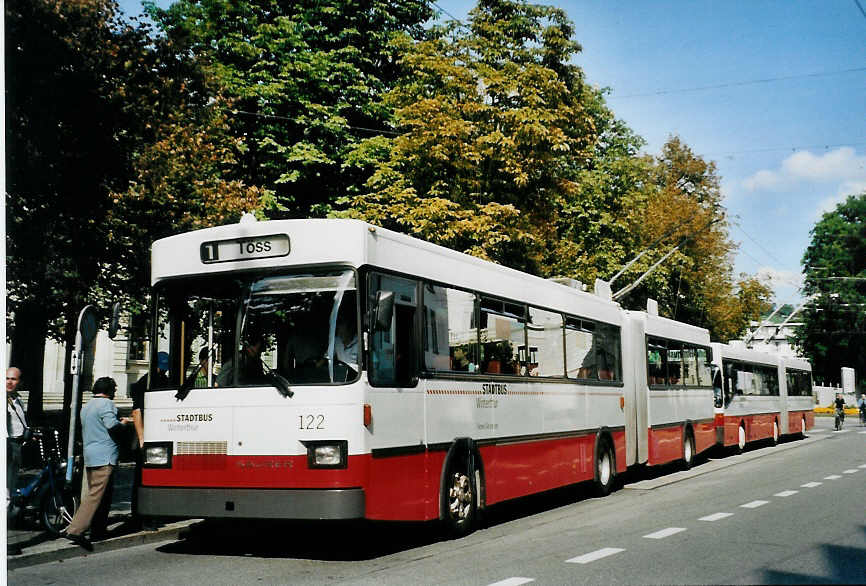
(493, 125)
(79, 80)
(304, 80)
(833, 333)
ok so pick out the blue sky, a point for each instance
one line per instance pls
(787, 148)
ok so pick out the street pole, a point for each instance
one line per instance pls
(84, 335)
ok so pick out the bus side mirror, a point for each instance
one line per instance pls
(384, 311)
(114, 322)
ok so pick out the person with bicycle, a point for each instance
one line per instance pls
(840, 410)
(100, 426)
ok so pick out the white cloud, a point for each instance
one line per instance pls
(776, 278)
(763, 180)
(842, 166)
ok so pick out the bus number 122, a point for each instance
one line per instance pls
(312, 421)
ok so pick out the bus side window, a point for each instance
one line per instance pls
(393, 356)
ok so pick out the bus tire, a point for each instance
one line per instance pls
(688, 449)
(605, 467)
(775, 433)
(459, 494)
(741, 438)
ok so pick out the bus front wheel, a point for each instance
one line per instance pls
(459, 498)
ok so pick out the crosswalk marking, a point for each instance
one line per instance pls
(665, 533)
(811, 484)
(786, 493)
(754, 504)
(850, 471)
(515, 581)
(716, 517)
(832, 477)
(594, 555)
(862, 466)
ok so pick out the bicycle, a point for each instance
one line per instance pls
(840, 418)
(47, 494)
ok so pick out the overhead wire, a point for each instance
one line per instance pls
(740, 83)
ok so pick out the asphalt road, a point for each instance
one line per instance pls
(795, 513)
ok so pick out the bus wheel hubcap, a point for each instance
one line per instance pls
(459, 496)
(604, 468)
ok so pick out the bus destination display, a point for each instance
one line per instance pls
(245, 248)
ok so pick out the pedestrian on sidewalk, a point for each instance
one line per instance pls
(17, 431)
(100, 426)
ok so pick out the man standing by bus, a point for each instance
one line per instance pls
(100, 425)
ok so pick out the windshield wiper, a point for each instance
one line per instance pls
(279, 381)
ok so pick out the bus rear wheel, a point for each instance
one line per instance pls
(741, 438)
(458, 498)
(604, 468)
(688, 450)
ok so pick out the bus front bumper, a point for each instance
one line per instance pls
(249, 503)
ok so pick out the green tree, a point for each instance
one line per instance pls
(79, 82)
(833, 333)
(493, 127)
(304, 80)
(696, 283)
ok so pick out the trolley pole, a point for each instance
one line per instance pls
(84, 335)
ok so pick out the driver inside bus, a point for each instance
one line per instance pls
(252, 370)
(346, 345)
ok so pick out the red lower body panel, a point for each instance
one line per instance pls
(666, 443)
(795, 421)
(402, 487)
(758, 427)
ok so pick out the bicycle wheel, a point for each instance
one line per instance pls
(57, 509)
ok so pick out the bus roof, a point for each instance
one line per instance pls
(744, 354)
(318, 242)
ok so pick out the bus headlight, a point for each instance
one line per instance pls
(327, 454)
(157, 455)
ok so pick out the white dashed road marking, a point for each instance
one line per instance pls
(862, 466)
(810, 484)
(516, 581)
(665, 533)
(595, 555)
(832, 477)
(716, 517)
(786, 493)
(754, 504)
(850, 471)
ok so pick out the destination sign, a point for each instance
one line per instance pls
(241, 249)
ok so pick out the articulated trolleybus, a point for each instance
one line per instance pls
(330, 369)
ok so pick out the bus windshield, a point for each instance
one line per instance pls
(302, 325)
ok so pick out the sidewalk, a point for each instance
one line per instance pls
(38, 546)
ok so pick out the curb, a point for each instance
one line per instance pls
(61, 549)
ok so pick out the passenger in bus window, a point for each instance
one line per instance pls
(202, 369)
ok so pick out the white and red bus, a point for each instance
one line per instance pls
(353, 372)
(760, 396)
